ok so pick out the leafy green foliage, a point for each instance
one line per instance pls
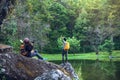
(44, 21)
(108, 46)
(10, 32)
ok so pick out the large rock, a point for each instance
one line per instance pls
(18, 67)
(14, 66)
(5, 48)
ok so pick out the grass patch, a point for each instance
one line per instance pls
(103, 56)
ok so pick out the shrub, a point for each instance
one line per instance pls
(107, 46)
(74, 44)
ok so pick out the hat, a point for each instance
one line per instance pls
(26, 40)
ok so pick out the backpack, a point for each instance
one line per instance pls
(67, 46)
(22, 50)
(22, 46)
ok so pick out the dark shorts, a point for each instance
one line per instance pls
(64, 52)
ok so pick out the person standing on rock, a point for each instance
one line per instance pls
(65, 49)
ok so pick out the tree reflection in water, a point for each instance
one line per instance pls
(96, 70)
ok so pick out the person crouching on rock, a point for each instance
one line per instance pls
(28, 47)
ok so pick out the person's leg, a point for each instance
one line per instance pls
(33, 54)
(39, 56)
(66, 55)
(63, 52)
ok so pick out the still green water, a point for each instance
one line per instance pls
(95, 70)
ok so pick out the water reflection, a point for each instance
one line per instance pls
(96, 70)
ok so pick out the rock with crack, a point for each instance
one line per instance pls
(59, 75)
(17, 67)
(68, 67)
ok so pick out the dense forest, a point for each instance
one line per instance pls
(89, 25)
